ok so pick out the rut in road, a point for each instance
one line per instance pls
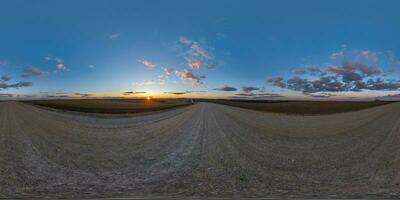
(201, 150)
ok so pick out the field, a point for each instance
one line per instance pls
(302, 107)
(112, 106)
(197, 151)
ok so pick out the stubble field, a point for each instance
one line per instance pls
(202, 150)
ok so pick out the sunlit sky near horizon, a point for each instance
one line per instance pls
(308, 49)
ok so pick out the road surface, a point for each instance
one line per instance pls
(203, 150)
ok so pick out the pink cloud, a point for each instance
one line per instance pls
(187, 75)
(149, 64)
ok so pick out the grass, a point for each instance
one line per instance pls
(302, 107)
(111, 106)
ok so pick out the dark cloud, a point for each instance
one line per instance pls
(5, 78)
(6, 95)
(259, 95)
(57, 96)
(83, 94)
(226, 88)
(132, 93)
(4, 85)
(277, 81)
(249, 89)
(177, 93)
(34, 71)
(309, 69)
(335, 84)
(351, 76)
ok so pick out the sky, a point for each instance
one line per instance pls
(309, 49)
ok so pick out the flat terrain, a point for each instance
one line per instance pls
(111, 106)
(303, 107)
(202, 150)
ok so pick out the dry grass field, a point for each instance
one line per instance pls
(112, 106)
(303, 107)
(202, 150)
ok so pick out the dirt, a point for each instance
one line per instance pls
(203, 150)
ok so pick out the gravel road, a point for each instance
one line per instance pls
(203, 150)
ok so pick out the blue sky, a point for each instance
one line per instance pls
(200, 48)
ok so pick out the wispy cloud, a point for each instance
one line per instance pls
(168, 70)
(249, 89)
(114, 36)
(83, 95)
(146, 82)
(34, 71)
(91, 66)
(196, 54)
(57, 61)
(133, 93)
(149, 64)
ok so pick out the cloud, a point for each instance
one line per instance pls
(91, 66)
(335, 84)
(114, 36)
(336, 55)
(226, 88)
(146, 82)
(148, 64)
(54, 58)
(353, 75)
(56, 96)
(194, 64)
(83, 94)
(249, 89)
(277, 81)
(257, 96)
(168, 70)
(6, 95)
(309, 69)
(34, 71)
(367, 55)
(298, 71)
(17, 85)
(355, 67)
(132, 93)
(187, 75)
(177, 93)
(59, 62)
(4, 63)
(196, 54)
(322, 95)
(61, 66)
(5, 78)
